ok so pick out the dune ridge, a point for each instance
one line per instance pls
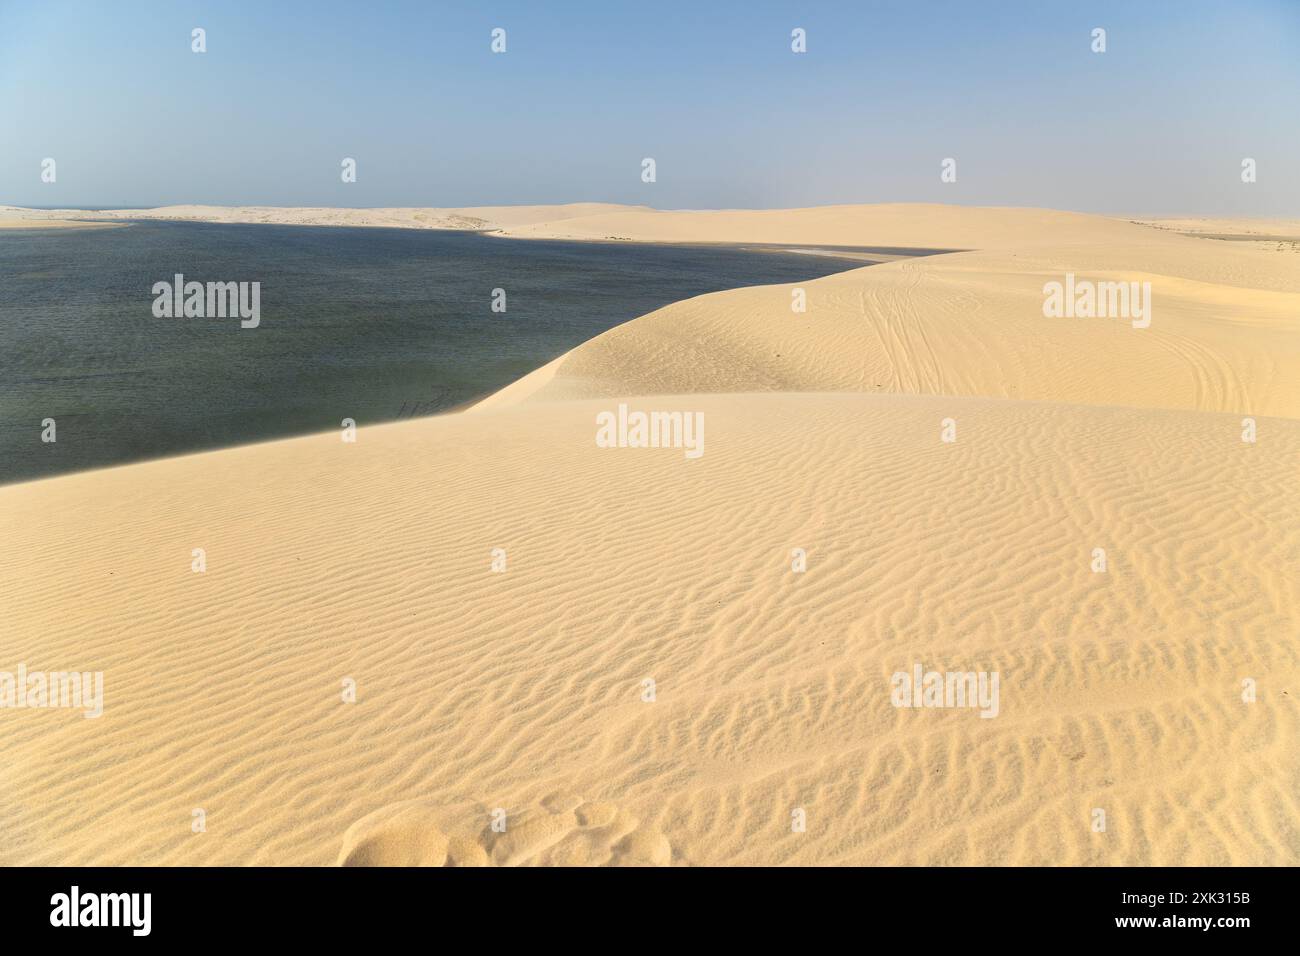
(523, 691)
(1222, 335)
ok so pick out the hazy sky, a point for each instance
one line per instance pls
(1158, 124)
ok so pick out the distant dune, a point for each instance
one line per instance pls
(524, 691)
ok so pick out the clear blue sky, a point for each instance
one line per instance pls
(1158, 124)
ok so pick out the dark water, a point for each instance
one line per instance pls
(359, 323)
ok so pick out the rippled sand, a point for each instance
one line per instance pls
(521, 695)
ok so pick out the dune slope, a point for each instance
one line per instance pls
(1223, 332)
(522, 689)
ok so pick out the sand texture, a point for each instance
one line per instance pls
(521, 694)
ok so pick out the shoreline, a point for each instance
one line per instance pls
(34, 224)
(866, 253)
(486, 390)
(547, 382)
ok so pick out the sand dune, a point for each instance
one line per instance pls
(969, 324)
(479, 690)
(1211, 226)
(523, 691)
(1222, 333)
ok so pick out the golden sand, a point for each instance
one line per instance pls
(524, 691)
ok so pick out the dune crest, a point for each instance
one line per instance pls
(1223, 335)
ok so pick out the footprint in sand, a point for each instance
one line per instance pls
(559, 831)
